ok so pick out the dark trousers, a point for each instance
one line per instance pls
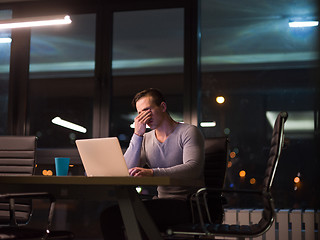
(164, 212)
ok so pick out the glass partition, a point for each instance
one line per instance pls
(259, 66)
(5, 48)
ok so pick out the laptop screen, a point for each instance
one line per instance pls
(102, 157)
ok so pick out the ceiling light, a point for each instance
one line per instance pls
(296, 24)
(132, 126)
(35, 22)
(5, 40)
(208, 124)
(298, 121)
(70, 125)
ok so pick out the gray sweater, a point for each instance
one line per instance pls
(180, 156)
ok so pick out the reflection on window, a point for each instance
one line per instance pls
(261, 66)
(256, 35)
(61, 109)
(65, 50)
(5, 47)
(145, 44)
(147, 52)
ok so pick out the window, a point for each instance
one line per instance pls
(5, 47)
(61, 82)
(147, 52)
(260, 66)
(64, 51)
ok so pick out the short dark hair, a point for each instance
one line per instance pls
(156, 95)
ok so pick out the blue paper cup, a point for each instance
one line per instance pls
(62, 166)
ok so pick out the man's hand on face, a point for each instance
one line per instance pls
(140, 172)
(141, 121)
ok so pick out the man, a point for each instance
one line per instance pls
(169, 149)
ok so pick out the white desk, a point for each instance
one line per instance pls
(121, 189)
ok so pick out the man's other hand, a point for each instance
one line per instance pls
(140, 172)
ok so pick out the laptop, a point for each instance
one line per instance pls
(102, 157)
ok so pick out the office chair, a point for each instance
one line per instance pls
(209, 229)
(17, 158)
(216, 157)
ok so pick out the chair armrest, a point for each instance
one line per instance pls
(201, 195)
(202, 206)
(264, 194)
(249, 191)
(240, 191)
(33, 195)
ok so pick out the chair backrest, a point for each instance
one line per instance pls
(216, 156)
(214, 228)
(17, 158)
(216, 152)
(277, 142)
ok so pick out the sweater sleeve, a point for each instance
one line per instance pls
(132, 155)
(192, 143)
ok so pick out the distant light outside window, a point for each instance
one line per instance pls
(61, 101)
(5, 49)
(65, 50)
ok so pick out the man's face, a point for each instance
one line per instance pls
(157, 112)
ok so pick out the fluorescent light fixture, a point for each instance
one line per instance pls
(5, 40)
(298, 121)
(297, 24)
(70, 125)
(208, 124)
(132, 126)
(35, 21)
